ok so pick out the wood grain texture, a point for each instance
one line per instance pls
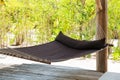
(46, 72)
(102, 33)
(110, 76)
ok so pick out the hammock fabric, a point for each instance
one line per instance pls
(62, 48)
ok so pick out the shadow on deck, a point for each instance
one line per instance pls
(46, 72)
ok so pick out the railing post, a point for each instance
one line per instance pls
(101, 32)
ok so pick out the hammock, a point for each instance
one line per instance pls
(62, 48)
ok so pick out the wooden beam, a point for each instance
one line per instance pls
(101, 33)
(98, 4)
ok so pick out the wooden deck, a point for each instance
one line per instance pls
(110, 76)
(46, 72)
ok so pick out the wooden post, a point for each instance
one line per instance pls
(101, 33)
(2, 2)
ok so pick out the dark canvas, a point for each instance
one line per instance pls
(80, 44)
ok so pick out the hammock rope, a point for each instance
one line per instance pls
(16, 53)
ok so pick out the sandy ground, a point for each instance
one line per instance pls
(7, 61)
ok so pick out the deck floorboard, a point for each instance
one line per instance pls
(46, 72)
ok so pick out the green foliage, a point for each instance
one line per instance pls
(114, 18)
(114, 25)
(116, 53)
(47, 18)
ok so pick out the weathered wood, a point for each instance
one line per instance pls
(102, 33)
(47, 72)
(110, 76)
(98, 4)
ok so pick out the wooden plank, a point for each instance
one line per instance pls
(98, 4)
(46, 72)
(110, 76)
(102, 33)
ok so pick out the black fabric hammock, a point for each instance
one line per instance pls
(62, 48)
